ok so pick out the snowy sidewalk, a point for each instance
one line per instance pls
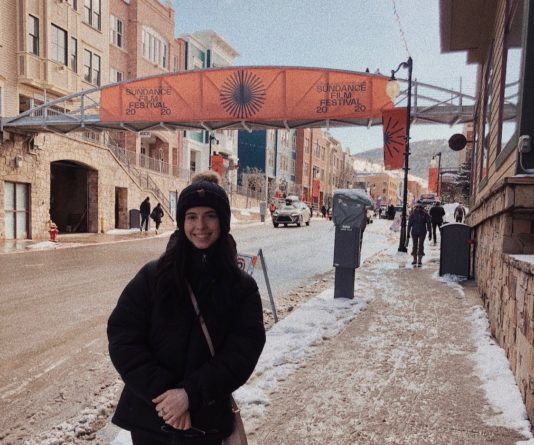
(414, 364)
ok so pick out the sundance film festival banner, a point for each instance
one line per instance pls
(255, 94)
(394, 122)
(433, 179)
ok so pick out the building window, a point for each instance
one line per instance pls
(58, 44)
(116, 76)
(316, 150)
(73, 3)
(74, 54)
(513, 53)
(92, 13)
(487, 112)
(155, 47)
(116, 32)
(33, 35)
(91, 67)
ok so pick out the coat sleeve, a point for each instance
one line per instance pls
(236, 358)
(127, 335)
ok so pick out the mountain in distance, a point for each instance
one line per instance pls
(421, 153)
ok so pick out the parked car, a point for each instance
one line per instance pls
(292, 212)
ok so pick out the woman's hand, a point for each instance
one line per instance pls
(182, 423)
(172, 406)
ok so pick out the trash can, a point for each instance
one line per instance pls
(135, 221)
(455, 250)
(350, 217)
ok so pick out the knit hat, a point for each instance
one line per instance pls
(204, 192)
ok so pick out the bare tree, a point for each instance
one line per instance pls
(253, 179)
(346, 177)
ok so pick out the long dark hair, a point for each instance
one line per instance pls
(172, 265)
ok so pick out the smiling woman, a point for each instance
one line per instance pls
(177, 390)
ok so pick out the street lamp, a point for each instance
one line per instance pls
(393, 90)
(211, 139)
(439, 172)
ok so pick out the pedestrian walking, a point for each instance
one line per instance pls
(437, 212)
(272, 208)
(144, 210)
(156, 214)
(175, 389)
(323, 211)
(459, 213)
(418, 226)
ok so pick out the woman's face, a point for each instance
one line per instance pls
(201, 226)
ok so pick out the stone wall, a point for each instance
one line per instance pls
(105, 175)
(504, 271)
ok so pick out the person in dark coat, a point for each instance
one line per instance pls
(144, 211)
(391, 211)
(156, 215)
(436, 215)
(323, 211)
(174, 390)
(459, 213)
(418, 226)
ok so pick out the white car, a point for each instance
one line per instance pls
(293, 212)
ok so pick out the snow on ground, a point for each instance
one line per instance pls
(322, 317)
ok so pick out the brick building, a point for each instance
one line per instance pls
(498, 37)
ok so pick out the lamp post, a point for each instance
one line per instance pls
(393, 90)
(438, 192)
(211, 138)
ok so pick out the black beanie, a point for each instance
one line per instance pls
(204, 194)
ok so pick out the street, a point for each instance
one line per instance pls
(55, 305)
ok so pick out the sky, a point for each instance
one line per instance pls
(337, 34)
(294, 338)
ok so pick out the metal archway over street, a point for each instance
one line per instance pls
(263, 97)
(243, 98)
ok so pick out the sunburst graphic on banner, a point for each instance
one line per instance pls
(394, 138)
(242, 94)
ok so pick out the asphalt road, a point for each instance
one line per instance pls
(55, 304)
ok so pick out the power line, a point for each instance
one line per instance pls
(401, 30)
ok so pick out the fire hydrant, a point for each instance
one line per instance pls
(53, 231)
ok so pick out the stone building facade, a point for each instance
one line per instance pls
(86, 181)
(498, 37)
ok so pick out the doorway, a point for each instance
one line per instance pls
(121, 208)
(16, 210)
(73, 197)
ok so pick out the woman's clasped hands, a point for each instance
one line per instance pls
(172, 406)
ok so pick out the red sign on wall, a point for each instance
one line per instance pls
(217, 164)
(316, 188)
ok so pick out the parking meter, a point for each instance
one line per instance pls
(350, 218)
(263, 210)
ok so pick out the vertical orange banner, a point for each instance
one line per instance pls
(394, 122)
(217, 164)
(433, 179)
(316, 188)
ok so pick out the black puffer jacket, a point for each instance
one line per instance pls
(156, 343)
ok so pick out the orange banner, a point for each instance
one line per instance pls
(394, 122)
(253, 94)
(217, 164)
(433, 179)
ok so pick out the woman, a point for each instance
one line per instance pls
(175, 392)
